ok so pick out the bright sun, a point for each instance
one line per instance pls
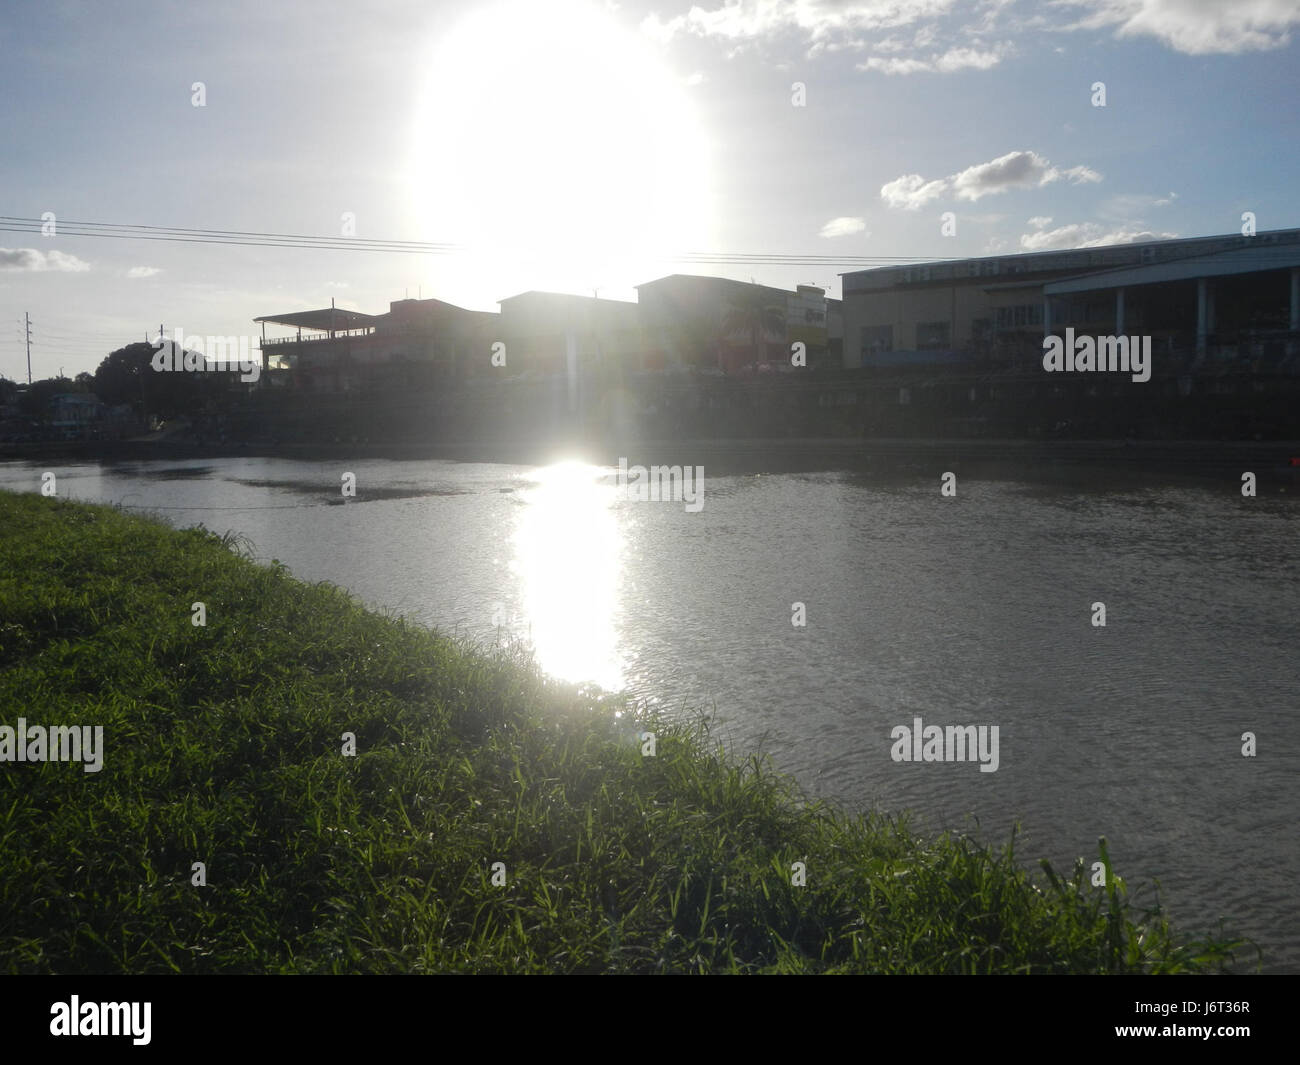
(552, 143)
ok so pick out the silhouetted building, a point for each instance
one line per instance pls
(717, 325)
(418, 345)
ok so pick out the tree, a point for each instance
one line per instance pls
(753, 312)
(118, 378)
(127, 376)
(35, 402)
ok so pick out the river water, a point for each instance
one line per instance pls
(968, 610)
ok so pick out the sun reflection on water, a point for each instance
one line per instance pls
(568, 546)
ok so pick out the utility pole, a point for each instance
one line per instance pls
(28, 323)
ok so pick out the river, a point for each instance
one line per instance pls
(973, 609)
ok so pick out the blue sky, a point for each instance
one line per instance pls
(571, 146)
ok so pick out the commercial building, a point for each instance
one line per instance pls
(1204, 301)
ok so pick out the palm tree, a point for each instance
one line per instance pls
(753, 311)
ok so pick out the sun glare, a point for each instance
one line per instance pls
(567, 560)
(552, 142)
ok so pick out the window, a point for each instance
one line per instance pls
(1021, 316)
(876, 339)
(932, 335)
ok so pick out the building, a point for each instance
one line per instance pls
(418, 345)
(1202, 300)
(717, 325)
(75, 415)
(554, 333)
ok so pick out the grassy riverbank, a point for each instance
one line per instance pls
(222, 745)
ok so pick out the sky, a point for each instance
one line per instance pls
(571, 146)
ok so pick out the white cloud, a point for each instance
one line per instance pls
(1077, 175)
(1197, 27)
(1040, 220)
(963, 58)
(894, 65)
(903, 36)
(1085, 235)
(945, 37)
(1013, 170)
(30, 260)
(698, 78)
(911, 192)
(142, 271)
(1130, 207)
(817, 20)
(952, 60)
(843, 226)
(889, 44)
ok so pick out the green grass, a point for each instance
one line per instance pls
(223, 745)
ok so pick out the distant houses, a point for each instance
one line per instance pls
(943, 348)
(73, 413)
(65, 416)
(1204, 301)
(715, 324)
(956, 348)
(417, 345)
(680, 323)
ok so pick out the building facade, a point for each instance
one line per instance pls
(418, 345)
(1210, 298)
(721, 326)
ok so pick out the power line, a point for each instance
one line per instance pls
(247, 238)
(250, 238)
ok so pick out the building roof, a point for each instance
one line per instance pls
(1082, 261)
(683, 279)
(431, 304)
(1247, 260)
(535, 294)
(325, 319)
